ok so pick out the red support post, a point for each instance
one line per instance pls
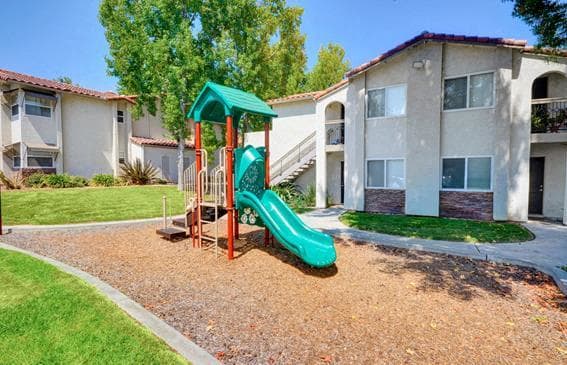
(198, 166)
(236, 224)
(229, 186)
(267, 171)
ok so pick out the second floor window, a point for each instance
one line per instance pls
(470, 91)
(38, 106)
(386, 102)
(15, 110)
(120, 116)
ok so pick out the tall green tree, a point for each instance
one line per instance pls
(164, 50)
(547, 19)
(329, 69)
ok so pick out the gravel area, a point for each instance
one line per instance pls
(377, 305)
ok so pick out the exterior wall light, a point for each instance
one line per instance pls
(418, 65)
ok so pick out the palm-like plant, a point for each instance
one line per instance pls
(139, 173)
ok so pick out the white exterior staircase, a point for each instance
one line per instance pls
(294, 162)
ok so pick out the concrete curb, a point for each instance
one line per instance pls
(172, 337)
(54, 227)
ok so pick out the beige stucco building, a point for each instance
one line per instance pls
(55, 127)
(441, 125)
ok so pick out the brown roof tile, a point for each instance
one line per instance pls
(159, 142)
(7, 75)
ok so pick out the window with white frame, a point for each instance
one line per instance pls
(16, 162)
(467, 173)
(385, 174)
(40, 161)
(470, 91)
(121, 157)
(38, 106)
(120, 116)
(386, 102)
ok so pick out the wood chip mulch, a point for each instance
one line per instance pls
(376, 305)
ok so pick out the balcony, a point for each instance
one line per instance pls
(334, 135)
(549, 115)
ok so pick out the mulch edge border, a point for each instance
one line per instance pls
(186, 348)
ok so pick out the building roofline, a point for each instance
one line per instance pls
(294, 97)
(439, 37)
(12, 76)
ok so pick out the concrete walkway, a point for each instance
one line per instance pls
(547, 252)
(189, 350)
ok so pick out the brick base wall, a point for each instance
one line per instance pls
(385, 201)
(466, 204)
(26, 172)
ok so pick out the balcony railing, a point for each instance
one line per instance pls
(549, 115)
(335, 132)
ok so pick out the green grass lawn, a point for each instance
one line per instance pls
(50, 317)
(61, 206)
(433, 228)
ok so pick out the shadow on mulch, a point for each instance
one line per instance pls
(462, 277)
(249, 241)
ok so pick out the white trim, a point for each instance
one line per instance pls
(405, 85)
(466, 158)
(468, 77)
(366, 186)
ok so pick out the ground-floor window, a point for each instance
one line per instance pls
(33, 161)
(467, 173)
(386, 173)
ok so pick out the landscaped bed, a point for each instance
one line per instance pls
(92, 204)
(433, 228)
(377, 305)
(48, 317)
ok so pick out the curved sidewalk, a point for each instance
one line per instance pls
(189, 350)
(546, 253)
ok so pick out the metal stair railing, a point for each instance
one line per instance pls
(294, 156)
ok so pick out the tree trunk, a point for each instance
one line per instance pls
(180, 167)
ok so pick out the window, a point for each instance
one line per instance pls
(121, 157)
(387, 102)
(120, 116)
(40, 161)
(16, 162)
(539, 88)
(38, 106)
(385, 174)
(15, 110)
(471, 91)
(467, 173)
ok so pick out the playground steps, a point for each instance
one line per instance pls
(171, 233)
(208, 214)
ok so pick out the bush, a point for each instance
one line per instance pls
(78, 182)
(103, 180)
(309, 196)
(139, 173)
(161, 181)
(57, 181)
(36, 180)
(11, 183)
(288, 192)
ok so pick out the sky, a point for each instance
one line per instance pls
(65, 38)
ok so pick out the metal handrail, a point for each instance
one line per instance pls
(294, 155)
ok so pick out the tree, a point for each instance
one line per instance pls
(164, 50)
(329, 69)
(64, 79)
(547, 19)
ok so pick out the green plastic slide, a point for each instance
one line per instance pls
(313, 247)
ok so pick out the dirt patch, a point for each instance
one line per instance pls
(377, 305)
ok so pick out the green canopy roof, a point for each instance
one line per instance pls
(215, 102)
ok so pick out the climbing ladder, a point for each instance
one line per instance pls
(205, 199)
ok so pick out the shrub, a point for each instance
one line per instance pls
(161, 181)
(309, 196)
(288, 191)
(103, 180)
(58, 181)
(139, 173)
(36, 180)
(11, 183)
(78, 182)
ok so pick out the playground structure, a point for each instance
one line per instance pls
(239, 186)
